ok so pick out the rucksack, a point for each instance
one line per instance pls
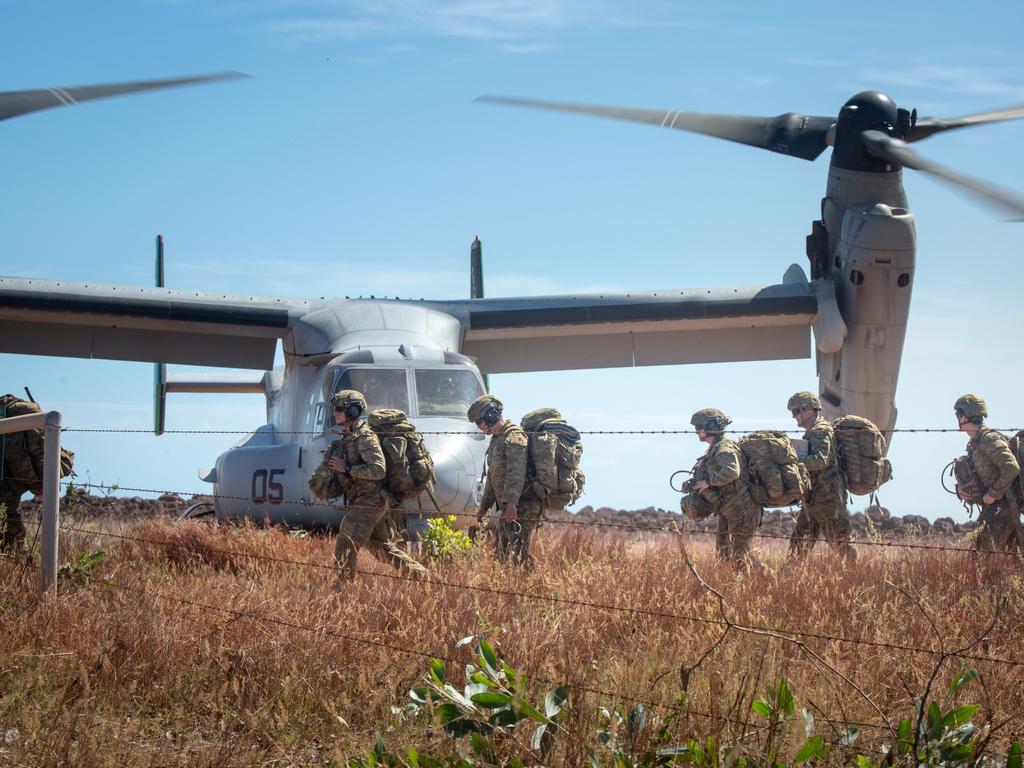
(23, 451)
(861, 449)
(410, 469)
(694, 505)
(775, 475)
(325, 483)
(969, 487)
(1017, 446)
(553, 465)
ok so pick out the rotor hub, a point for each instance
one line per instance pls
(868, 111)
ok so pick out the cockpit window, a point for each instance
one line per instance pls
(446, 392)
(382, 387)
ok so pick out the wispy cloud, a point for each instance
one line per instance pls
(513, 26)
(321, 30)
(302, 279)
(1002, 82)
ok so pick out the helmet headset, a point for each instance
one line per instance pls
(491, 416)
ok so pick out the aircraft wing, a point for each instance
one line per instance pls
(508, 335)
(111, 322)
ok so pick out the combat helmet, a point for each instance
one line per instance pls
(485, 408)
(350, 401)
(710, 420)
(804, 400)
(972, 406)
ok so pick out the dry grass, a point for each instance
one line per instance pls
(175, 651)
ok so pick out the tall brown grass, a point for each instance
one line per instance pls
(199, 645)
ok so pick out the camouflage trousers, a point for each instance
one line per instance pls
(13, 527)
(368, 521)
(828, 519)
(736, 528)
(1000, 531)
(512, 540)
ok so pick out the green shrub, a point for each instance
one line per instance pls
(443, 542)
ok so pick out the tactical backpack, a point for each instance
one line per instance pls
(861, 448)
(1017, 446)
(23, 451)
(694, 505)
(325, 483)
(969, 487)
(775, 475)
(553, 465)
(410, 469)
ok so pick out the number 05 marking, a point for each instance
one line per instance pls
(265, 486)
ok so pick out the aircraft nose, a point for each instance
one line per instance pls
(455, 475)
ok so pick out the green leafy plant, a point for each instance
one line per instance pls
(942, 734)
(493, 706)
(441, 541)
(80, 570)
(485, 717)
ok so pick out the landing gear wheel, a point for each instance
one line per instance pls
(198, 511)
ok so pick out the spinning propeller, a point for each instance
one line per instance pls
(870, 134)
(15, 103)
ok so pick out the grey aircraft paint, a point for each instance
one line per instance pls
(409, 345)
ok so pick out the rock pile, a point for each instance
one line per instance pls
(874, 522)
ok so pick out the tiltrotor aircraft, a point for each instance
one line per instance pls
(862, 249)
(427, 357)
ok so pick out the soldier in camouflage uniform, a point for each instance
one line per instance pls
(10, 517)
(999, 473)
(357, 463)
(518, 508)
(722, 480)
(22, 471)
(824, 512)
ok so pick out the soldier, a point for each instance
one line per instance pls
(722, 481)
(357, 464)
(518, 508)
(823, 513)
(22, 457)
(998, 471)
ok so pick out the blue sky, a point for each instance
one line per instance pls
(355, 161)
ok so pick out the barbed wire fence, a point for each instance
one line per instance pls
(782, 633)
(433, 582)
(470, 433)
(598, 524)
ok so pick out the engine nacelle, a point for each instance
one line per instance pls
(874, 275)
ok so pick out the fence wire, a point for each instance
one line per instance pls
(340, 506)
(318, 433)
(611, 695)
(432, 582)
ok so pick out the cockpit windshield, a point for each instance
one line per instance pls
(382, 387)
(446, 392)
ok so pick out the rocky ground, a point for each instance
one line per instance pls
(874, 522)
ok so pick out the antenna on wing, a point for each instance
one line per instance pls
(476, 280)
(476, 269)
(159, 369)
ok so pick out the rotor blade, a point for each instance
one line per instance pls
(896, 151)
(15, 103)
(929, 126)
(791, 134)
